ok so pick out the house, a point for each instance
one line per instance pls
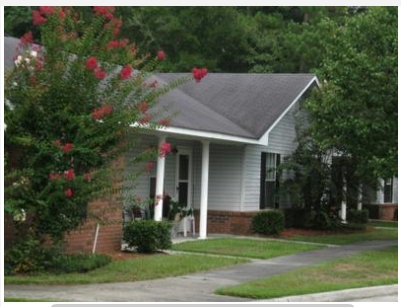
(229, 134)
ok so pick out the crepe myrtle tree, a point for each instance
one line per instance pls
(69, 110)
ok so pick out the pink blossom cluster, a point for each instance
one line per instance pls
(164, 149)
(100, 112)
(199, 73)
(92, 65)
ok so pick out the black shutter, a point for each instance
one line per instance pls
(277, 197)
(262, 199)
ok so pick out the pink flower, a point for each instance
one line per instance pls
(104, 10)
(37, 18)
(100, 112)
(145, 119)
(46, 10)
(57, 143)
(116, 31)
(126, 72)
(150, 166)
(27, 38)
(165, 122)
(107, 109)
(161, 55)
(39, 65)
(199, 73)
(142, 106)
(67, 147)
(91, 63)
(88, 176)
(123, 42)
(62, 14)
(70, 174)
(54, 176)
(164, 149)
(100, 74)
(68, 193)
(113, 44)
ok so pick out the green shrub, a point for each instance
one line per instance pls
(79, 263)
(358, 216)
(29, 256)
(268, 222)
(148, 235)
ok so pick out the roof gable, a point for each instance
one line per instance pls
(252, 102)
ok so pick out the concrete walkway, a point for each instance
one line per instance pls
(199, 287)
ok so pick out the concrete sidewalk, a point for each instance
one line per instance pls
(199, 287)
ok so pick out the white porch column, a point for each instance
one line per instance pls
(360, 190)
(204, 189)
(159, 183)
(380, 192)
(343, 211)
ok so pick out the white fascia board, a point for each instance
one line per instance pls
(264, 140)
(198, 134)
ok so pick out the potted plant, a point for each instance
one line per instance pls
(179, 214)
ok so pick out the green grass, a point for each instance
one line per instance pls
(23, 299)
(249, 248)
(383, 224)
(145, 268)
(364, 270)
(347, 238)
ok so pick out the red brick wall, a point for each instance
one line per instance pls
(110, 229)
(386, 211)
(228, 222)
(107, 212)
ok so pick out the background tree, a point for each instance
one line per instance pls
(355, 111)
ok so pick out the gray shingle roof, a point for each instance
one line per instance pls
(252, 102)
(244, 105)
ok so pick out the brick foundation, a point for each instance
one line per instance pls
(227, 222)
(110, 229)
(387, 212)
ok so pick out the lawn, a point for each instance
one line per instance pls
(347, 238)
(136, 269)
(248, 248)
(364, 270)
(23, 299)
(383, 224)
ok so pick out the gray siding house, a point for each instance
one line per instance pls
(244, 124)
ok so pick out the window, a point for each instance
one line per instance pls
(269, 180)
(388, 190)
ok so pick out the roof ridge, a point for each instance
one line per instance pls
(207, 107)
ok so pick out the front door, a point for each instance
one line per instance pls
(183, 179)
